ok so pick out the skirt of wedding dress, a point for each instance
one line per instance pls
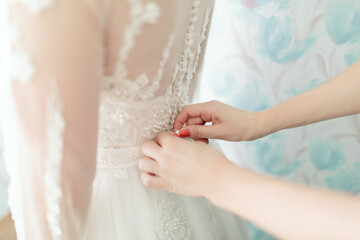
(123, 208)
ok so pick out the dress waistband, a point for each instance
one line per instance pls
(118, 158)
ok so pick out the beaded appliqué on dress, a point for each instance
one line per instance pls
(177, 94)
(125, 122)
(173, 223)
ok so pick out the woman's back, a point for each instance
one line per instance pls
(126, 63)
(152, 51)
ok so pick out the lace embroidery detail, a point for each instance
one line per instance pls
(186, 63)
(17, 59)
(177, 94)
(22, 60)
(172, 220)
(203, 37)
(140, 15)
(11, 156)
(129, 114)
(173, 223)
(13, 61)
(121, 124)
(149, 93)
(55, 130)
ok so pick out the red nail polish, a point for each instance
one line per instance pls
(184, 133)
(175, 135)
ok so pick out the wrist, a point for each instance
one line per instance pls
(266, 123)
(220, 179)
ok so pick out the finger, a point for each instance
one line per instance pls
(199, 131)
(192, 111)
(153, 181)
(149, 165)
(150, 149)
(195, 121)
(164, 138)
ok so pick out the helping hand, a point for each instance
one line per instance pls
(228, 123)
(181, 166)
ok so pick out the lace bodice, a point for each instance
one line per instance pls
(138, 108)
(81, 73)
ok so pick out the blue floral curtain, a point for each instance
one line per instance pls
(262, 52)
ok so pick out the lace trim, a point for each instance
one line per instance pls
(55, 130)
(140, 15)
(22, 60)
(149, 93)
(17, 60)
(184, 70)
(203, 37)
(179, 87)
(120, 83)
(120, 122)
(11, 131)
(13, 61)
(11, 156)
(173, 223)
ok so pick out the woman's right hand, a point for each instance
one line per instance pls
(227, 123)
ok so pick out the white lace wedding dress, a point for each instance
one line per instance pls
(84, 82)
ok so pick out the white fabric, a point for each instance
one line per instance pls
(87, 76)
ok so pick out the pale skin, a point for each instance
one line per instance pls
(286, 210)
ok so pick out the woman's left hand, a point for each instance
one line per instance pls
(181, 166)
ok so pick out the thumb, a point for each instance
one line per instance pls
(200, 131)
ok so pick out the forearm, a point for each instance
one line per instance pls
(287, 210)
(338, 97)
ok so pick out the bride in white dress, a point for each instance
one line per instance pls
(85, 82)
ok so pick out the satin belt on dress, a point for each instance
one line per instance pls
(120, 158)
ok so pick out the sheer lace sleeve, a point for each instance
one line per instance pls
(51, 94)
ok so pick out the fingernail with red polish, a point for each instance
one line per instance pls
(184, 133)
(176, 135)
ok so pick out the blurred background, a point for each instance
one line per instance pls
(3, 184)
(3, 179)
(262, 52)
